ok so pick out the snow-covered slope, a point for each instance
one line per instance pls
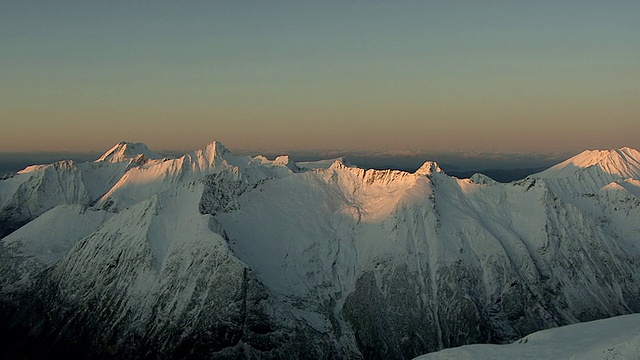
(44, 241)
(604, 184)
(591, 170)
(623, 163)
(614, 338)
(39, 188)
(141, 182)
(409, 261)
(216, 255)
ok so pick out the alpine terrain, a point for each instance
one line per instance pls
(213, 255)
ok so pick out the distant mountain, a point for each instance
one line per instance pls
(621, 163)
(499, 175)
(39, 188)
(127, 151)
(214, 255)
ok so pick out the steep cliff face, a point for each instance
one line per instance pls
(210, 255)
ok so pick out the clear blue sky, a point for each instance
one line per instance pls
(419, 75)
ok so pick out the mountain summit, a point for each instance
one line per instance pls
(125, 151)
(623, 162)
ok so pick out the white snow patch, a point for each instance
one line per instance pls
(613, 338)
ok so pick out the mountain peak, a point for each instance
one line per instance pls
(286, 161)
(212, 151)
(125, 151)
(601, 157)
(623, 162)
(340, 163)
(216, 148)
(428, 168)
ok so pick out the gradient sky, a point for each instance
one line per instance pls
(417, 75)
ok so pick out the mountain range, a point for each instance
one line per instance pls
(213, 255)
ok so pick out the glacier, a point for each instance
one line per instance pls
(214, 255)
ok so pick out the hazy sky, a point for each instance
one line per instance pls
(418, 75)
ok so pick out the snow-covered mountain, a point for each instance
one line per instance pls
(622, 163)
(215, 255)
(126, 151)
(39, 188)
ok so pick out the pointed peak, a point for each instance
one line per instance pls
(215, 148)
(428, 168)
(212, 154)
(482, 179)
(340, 163)
(126, 151)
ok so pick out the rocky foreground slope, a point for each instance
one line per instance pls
(212, 255)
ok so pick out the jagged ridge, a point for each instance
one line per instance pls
(249, 257)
